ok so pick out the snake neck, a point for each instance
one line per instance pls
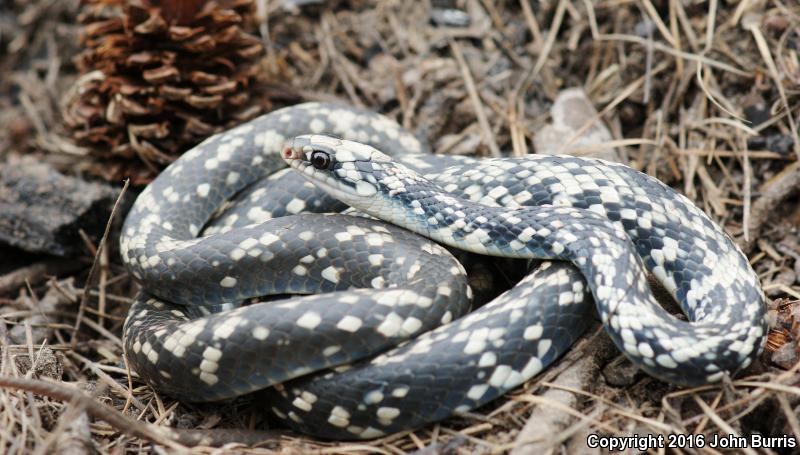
(414, 202)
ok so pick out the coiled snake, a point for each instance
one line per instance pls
(376, 285)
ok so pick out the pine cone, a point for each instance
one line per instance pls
(161, 75)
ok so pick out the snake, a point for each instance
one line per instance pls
(310, 255)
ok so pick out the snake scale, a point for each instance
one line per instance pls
(361, 356)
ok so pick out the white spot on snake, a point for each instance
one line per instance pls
(316, 126)
(343, 236)
(258, 215)
(310, 320)
(533, 367)
(375, 259)
(391, 325)
(488, 359)
(400, 392)
(666, 361)
(339, 417)
(376, 239)
(474, 346)
(260, 333)
(331, 274)
(152, 356)
(477, 391)
(373, 397)
(412, 271)
(371, 433)
(232, 178)
(267, 239)
(228, 282)
(302, 404)
(248, 243)
(533, 332)
(499, 375)
(447, 317)
(227, 327)
(544, 346)
(412, 325)
(388, 414)
(203, 189)
(208, 366)
(270, 141)
(349, 323)
(237, 254)
(212, 354)
(295, 206)
(646, 350)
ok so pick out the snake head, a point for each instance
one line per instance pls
(349, 171)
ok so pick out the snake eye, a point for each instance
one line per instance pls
(320, 160)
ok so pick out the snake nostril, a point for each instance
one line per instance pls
(288, 153)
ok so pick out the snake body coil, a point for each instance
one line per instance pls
(187, 335)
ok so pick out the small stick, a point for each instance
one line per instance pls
(94, 408)
(85, 298)
(488, 135)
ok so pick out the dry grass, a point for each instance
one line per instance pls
(704, 95)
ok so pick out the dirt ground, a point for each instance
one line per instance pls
(703, 95)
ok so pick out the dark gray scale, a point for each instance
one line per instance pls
(233, 353)
(282, 194)
(452, 372)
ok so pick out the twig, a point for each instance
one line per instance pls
(36, 273)
(486, 129)
(675, 53)
(752, 24)
(656, 18)
(90, 278)
(94, 408)
(530, 19)
(555, 25)
(773, 192)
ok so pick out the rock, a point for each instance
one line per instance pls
(570, 112)
(42, 211)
